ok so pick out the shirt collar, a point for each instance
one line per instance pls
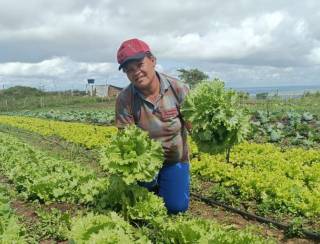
(164, 85)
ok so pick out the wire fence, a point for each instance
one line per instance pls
(309, 103)
(52, 101)
(284, 104)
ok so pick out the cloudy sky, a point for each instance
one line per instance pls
(59, 44)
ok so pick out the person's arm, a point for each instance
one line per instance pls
(188, 126)
(183, 93)
(123, 115)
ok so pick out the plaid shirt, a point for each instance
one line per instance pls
(161, 119)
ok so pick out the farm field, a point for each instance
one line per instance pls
(54, 189)
(164, 122)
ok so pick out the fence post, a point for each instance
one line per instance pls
(41, 102)
(24, 102)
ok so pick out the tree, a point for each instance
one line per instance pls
(262, 95)
(243, 95)
(192, 76)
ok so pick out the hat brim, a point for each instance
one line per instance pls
(136, 57)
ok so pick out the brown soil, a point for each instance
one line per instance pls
(28, 213)
(27, 210)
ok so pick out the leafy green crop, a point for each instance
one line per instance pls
(134, 202)
(51, 224)
(217, 121)
(285, 128)
(10, 230)
(132, 155)
(96, 117)
(104, 229)
(89, 136)
(183, 229)
(274, 180)
(38, 176)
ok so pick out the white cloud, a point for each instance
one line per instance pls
(55, 67)
(58, 72)
(314, 55)
(83, 36)
(267, 39)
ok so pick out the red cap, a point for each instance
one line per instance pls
(133, 49)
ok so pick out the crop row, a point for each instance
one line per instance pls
(89, 136)
(288, 128)
(97, 117)
(276, 181)
(38, 176)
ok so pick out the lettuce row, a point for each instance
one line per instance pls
(277, 181)
(40, 177)
(89, 136)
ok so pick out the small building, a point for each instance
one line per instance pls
(104, 90)
(113, 91)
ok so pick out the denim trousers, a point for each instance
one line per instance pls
(173, 185)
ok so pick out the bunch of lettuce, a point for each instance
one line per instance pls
(135, 203)
(183, 229)
(217, 120)
(109, 228)
(132, 155)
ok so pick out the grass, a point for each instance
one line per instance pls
(25, 98)
(310, 103)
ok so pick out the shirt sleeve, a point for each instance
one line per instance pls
(123, 116)
(184, 92)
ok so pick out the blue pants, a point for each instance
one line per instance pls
(173, 182)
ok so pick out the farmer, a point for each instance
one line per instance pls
(152, 101)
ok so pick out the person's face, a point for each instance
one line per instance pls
(141, 72)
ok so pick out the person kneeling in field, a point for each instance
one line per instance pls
(152, 101)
